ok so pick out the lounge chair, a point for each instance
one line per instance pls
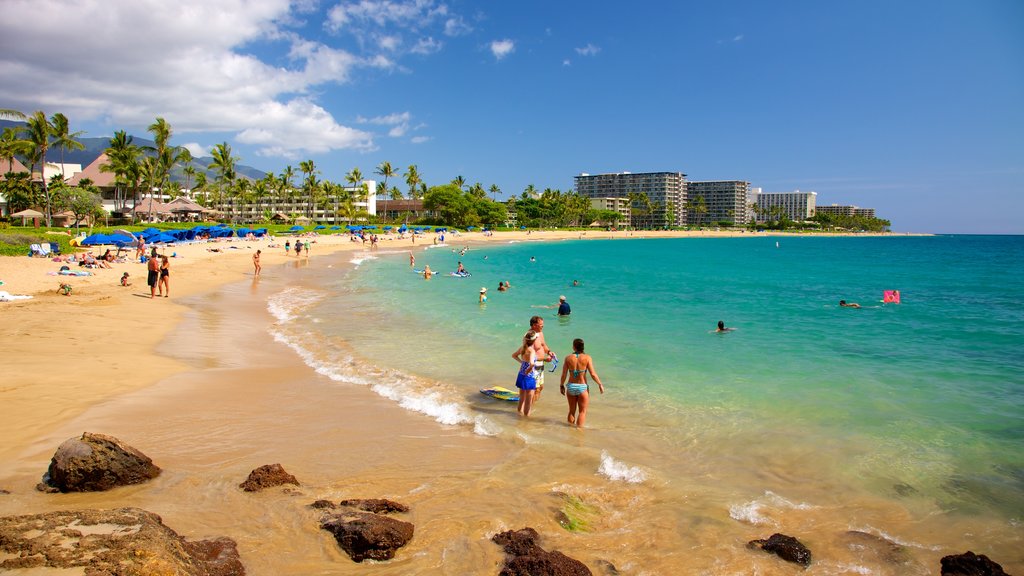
(55, 248)
(34, 250)
(44, 250)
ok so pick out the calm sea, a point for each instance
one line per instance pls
(905, 421)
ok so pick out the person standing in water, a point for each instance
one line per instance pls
(577, 365)
(256, 262)
(526, 377)
(543, 353)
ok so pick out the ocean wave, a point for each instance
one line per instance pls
(360, 258)
(433, 404)
(756, 511)
(885, 535)
(620, 471)
(286, 304)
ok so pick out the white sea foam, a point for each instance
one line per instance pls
(432, 404)
(359, 259)
(484, 426)
(750, 513)
(882, 534)
(286, 304)
(620, 471)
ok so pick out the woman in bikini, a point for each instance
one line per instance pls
(577, 365)
(164, 285)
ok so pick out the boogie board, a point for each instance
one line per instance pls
(499, 393)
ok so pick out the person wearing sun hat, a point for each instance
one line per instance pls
(563, 307)
(483, 295)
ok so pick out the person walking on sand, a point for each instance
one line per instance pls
(256, 262)
(287, 247)
(165, 277)
(543, 353)
(526, 377)
(577, 391)
(153, 266)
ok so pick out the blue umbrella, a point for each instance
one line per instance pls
(320, 227)
(295, 228)
(335, 227)
(388, 227)
(95, 240)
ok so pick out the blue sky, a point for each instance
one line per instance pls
(913, 108)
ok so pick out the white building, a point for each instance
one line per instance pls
(796, 206)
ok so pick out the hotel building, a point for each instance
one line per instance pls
(797, 206)
(724, 201)
(665, 190)
(838, 210)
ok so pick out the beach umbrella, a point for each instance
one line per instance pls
(320, 227)
(242, 232)
(95, 240)
(295, 228)
(388, 227)
(335, 227)
(522, 227)
(470, 228)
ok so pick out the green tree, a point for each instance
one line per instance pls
(385, 170)
(449, 204)
(63, 138)
(412, 180)
(494, 192)
(459, 182)
(85, 201)
(17, 189)
(123, 159)
(223, 164)
(310, 184)
(37, 132)
(12, 147)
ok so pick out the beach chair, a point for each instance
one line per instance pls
(44, 250)
(55, 248)
(34, 250)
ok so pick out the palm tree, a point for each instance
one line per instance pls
(224, 164)
(63, 138)
(123, 156)
(385, 170)
(37, 132)
(309, 184)
(494, 192)
(11, 114)
(459, 181)
(11, 147)
(412, 179)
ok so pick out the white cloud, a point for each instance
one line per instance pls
(398, 121)
(566, 62)
(456, 26)
(419, 139)
(737, 38)
(502, 48)
(588, 50)
(196, 149)
(204, 65)
(426, 46)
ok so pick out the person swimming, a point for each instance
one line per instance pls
(845, 304)
(722, 328)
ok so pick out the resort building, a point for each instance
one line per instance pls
(796, 206)
(665, 192)
(837, 210)
(723, 201)
(620, 205)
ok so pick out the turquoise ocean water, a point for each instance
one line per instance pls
(918, 406)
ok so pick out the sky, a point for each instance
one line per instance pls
(914, 108)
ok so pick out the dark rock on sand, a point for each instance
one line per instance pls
(375, 505)
(94, 463)
(527, 558)
(786, 547)
(122, 542)
(970, 564)
(267, 476)
(322, 505)
(365, 535)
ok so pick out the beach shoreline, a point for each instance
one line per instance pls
(201, 386)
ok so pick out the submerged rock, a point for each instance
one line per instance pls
(970, 564)
(365, 535)
(267, 476)
(122, 542)
(527, 558)
(786, 547)
(375, 505)
(94, 463)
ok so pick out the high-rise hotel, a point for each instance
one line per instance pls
(665, 190)
(722, 201)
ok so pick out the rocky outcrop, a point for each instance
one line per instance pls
(122, 542)
(527, 558)
(375, 505)
(786, 547)
(267, 476)
(94, 463)
(364, 535)
(970, 564)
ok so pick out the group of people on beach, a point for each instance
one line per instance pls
(532, 355)
(159, 275)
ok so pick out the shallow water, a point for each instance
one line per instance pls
(809, 419)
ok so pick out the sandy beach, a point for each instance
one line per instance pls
(197, 382)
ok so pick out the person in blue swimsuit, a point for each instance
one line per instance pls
(526, 377)
(577, 365)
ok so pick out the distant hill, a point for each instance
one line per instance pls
(95, 146)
